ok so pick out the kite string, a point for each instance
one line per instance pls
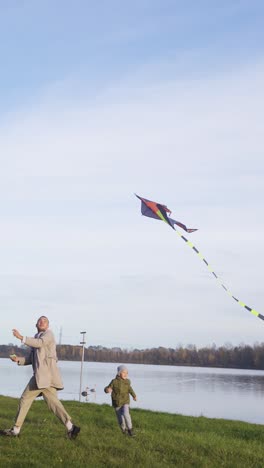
(242, 304)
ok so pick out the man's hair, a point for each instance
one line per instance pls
(43, 316)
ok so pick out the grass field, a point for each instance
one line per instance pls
(161, 440)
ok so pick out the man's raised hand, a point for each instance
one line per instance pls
(17, 334)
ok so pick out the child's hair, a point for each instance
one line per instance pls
(121, 369)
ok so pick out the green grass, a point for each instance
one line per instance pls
(162, 440)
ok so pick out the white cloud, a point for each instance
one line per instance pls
(72, 239)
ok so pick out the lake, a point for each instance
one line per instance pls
(214, 393)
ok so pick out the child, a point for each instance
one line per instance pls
(120, 388)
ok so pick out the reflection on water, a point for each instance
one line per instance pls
(216, 393)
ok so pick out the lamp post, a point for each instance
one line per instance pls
(82, 343)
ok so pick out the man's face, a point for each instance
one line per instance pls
(42, 324)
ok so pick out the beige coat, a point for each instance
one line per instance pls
(43, 358)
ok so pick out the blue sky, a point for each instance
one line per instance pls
(99, 42)
(103, 99)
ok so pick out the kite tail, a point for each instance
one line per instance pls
(190, 244)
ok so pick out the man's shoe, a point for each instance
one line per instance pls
(9, 432)
(131, 433)
(72, 434)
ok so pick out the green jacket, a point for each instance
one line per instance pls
(121, 388)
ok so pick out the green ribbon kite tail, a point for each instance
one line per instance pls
(190, 244)
(158, 211)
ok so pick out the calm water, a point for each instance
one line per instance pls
(215, 393)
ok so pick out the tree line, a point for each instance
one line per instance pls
(241, 357)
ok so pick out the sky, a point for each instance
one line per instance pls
(101, 100)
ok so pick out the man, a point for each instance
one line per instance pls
(45, 381)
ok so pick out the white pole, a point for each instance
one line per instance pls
(82, 343)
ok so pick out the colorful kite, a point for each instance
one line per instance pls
(158, 211)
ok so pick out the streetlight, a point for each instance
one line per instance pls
(82, 343)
